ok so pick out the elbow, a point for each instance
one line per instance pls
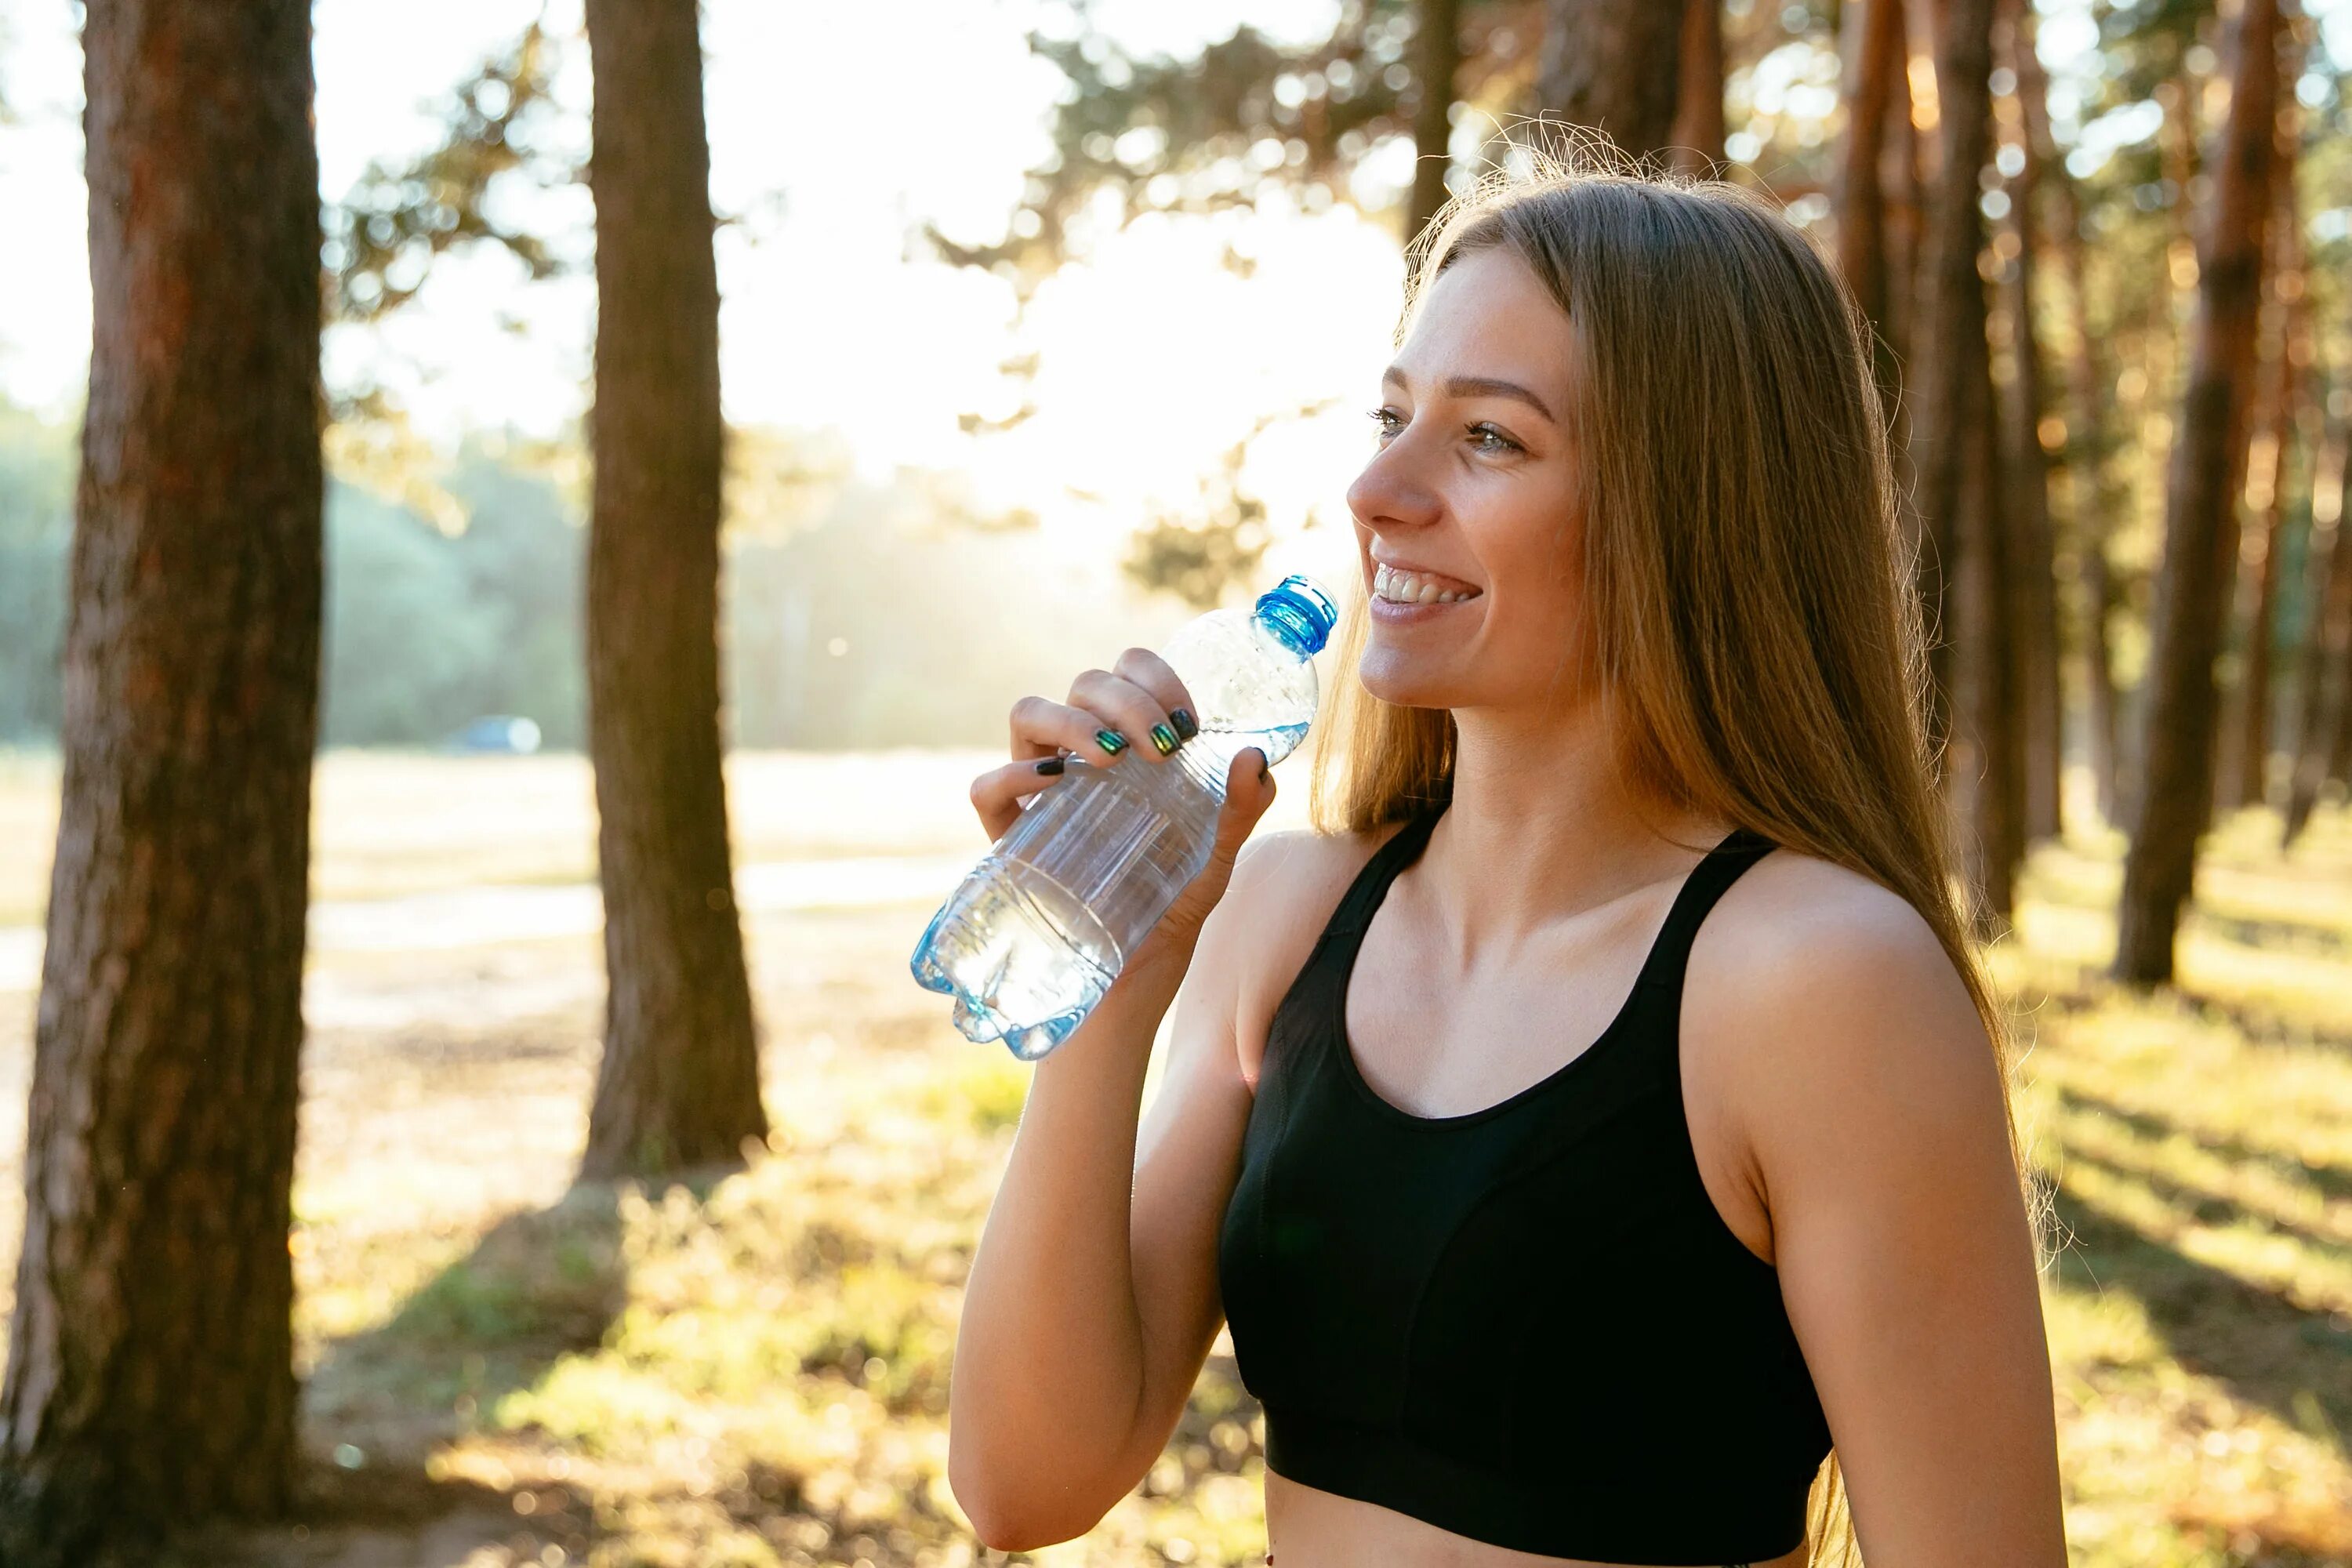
(1008, 1511)
(1007, 1523)
(1008, 1534)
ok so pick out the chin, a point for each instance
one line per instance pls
(1406, 682)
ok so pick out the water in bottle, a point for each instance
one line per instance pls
(1037, 933)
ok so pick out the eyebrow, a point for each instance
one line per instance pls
(1478, 386)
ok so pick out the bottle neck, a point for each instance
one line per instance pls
(1286, 625)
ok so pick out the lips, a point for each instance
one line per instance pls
(1401, 586)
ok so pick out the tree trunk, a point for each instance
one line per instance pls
(1612, 65)
(1952, 445)
(2032, 571)
(1987, 780)
(149, 1369)
(2086, 435)
(1899, 180)
(1903, 189)
(1697, 134)
(1932, 523)
(1435, 69)
(2243, 778)
(1873, 47)
(2327, 660)
(680, 1084)
(2201, 520)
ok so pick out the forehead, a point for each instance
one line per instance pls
(1489, 314)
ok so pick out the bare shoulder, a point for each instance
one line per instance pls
(1795, 923)
(1820, 1003)
(1284, 888)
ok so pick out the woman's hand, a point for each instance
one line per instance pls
(1135, 714)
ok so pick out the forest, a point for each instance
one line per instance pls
(432, 1157)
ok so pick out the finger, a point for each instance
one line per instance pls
(1249, 791)
(1152, 673)
(997, 794)
(1132, 710)
(1042, 727)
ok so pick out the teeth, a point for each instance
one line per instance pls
(1411, 588)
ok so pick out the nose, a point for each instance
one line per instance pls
(1394, 488)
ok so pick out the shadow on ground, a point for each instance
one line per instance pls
(2292, 1361)
(540, 1284)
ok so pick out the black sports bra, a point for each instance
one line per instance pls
(1528, 1324)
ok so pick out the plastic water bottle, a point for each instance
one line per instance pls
(1037, 933)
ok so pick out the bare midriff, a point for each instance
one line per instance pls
(1324, 1530)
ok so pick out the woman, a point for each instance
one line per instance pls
(1607, 1112)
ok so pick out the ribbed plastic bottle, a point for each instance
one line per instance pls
(1039, 930)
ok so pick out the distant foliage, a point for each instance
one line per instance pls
(382, 238)
(1202, 552)
(426, 630)
(1208, 132)
(830, 640)
(36, 467)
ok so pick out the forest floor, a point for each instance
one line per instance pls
(501, 1369)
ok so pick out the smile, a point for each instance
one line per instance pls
(1419, 587)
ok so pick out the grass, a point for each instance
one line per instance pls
(753, 1371)
(2199, 1142)
(386, 824)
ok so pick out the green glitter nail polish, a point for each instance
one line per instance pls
(1163, 738)
(1111, 740)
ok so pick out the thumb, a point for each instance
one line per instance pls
(1249, 790)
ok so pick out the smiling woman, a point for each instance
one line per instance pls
(1680, 489)
(1596, 1135)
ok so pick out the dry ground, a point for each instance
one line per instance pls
(501, 1370)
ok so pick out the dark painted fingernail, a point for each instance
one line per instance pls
(1186, 726)
(1111, 740)
(1163, 738)
(1050, 765)
(1261, 767)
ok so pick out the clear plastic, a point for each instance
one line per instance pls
(1035, 935)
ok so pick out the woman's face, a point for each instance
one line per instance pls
(1474, 500)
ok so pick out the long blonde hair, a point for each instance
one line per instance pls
(1748, 572)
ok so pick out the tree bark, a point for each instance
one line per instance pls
(1697, 134)
(2243, 778)
(1873, 49)
(2087, 436)
(1952, 444)
(1900, 182)
(1612, 65)
(2032, 571)
(149, 1368)
(1434, 67)
(679, 1082)
(1904, 192)
(2326, 660)
(2200, 520)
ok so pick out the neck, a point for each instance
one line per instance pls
(1543, 825)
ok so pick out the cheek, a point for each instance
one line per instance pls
(1535, 565)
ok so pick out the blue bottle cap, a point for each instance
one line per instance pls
(1299, 612)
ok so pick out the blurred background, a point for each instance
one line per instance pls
(635, 1180)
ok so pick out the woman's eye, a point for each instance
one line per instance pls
(1486, 438)
(1388, 419)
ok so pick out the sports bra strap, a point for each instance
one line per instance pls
(1371, 883)
(1704, 883)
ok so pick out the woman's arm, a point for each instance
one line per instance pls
(1093, 1298)
(1862, 1082)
